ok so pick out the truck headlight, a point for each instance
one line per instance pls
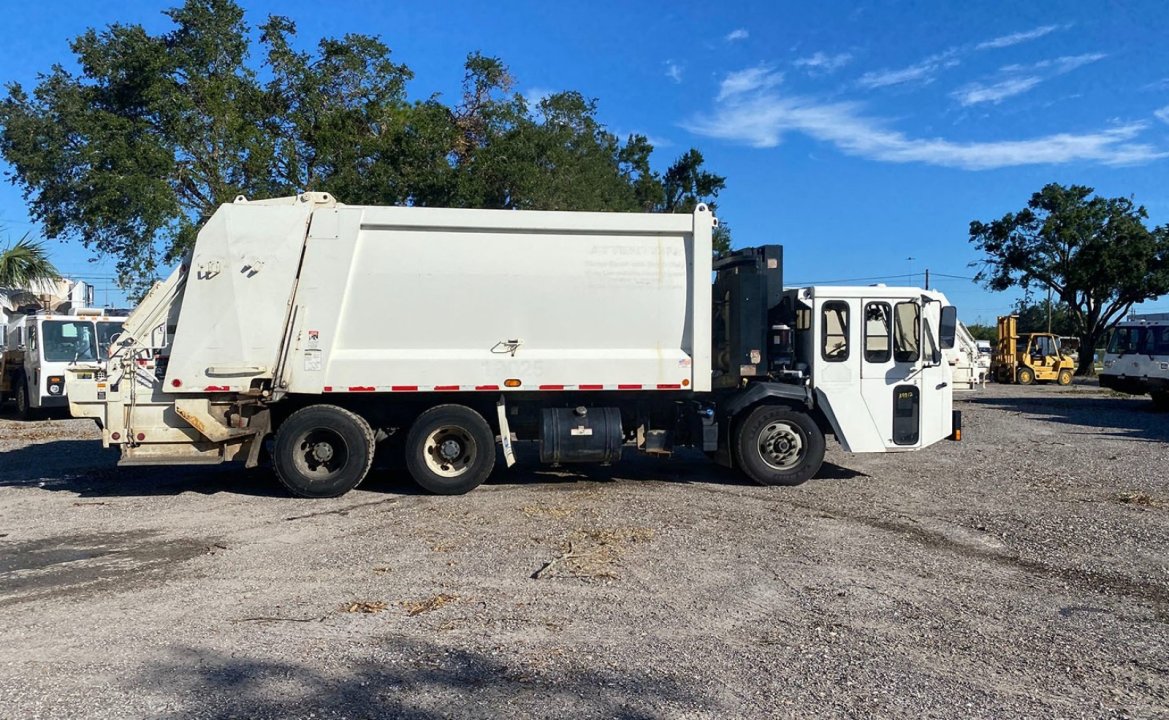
(56, 384)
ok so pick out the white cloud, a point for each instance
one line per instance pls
(760, 77)
(1017, 79)
(1015, 38)
(761, 117)
(923, 72)
(976, 93)
(1162, 114)
(821, 63)
(674, 71)
(533, 96)
(737, 34)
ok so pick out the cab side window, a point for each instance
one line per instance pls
(906, 332)
(878, 332)
(834, 320)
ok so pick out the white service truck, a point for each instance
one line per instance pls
(1137, 359)
(329, 327)
(39, 347)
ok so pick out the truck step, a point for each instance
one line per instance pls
(170, 460)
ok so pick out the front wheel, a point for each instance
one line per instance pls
(1064, 377)
(778, 445)
(1025, 376)
(24, 406)
(450, 450)
(322, 451)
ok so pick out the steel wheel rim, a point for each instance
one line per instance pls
(321, 454)
(781, 445)
(450, 451)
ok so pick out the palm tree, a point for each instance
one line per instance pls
(25, 264)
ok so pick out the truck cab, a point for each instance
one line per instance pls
(1137, 359)
(38, 348)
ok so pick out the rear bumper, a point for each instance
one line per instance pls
(1134, 385)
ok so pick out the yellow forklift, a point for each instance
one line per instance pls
(1029, 357)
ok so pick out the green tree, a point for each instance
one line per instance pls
(1095, 254)
(24, 264)
(1033, 317)
(131, 154)
(983, 332)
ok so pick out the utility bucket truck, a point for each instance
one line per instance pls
(329, 328)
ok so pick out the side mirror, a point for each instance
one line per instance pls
(948, 329)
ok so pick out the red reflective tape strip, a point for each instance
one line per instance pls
(446, 388)
(591, 387)
(486, 387)
(628, 387)
(217, 388)
(662, 386)
(551, 387)
(403, 388)
(328, 388)
(361, 388)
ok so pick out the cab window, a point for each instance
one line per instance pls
(906, 332)
(834, 321)
(878, 332)
(67, 341)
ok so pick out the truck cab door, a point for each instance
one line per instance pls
(891, 364)
(937, 381)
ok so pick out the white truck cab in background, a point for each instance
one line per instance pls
(38, 349)
(328, 328)
(1137, 359)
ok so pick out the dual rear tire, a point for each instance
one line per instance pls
(324, 451)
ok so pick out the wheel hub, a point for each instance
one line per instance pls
(780, 446)
(450, 449)
(322, 452)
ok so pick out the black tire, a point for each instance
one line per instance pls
(1064, 378)
(450, 450)
(1025, 376)
(778, 445)
(24, 408)
(1160, 400)
(322, 451)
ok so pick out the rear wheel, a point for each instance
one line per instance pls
(1064, 378)
(322, 451)
(450, 450)
(1025, 376)
(778, 445)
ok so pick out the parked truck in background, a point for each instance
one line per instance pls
(329, 328)
(38, 347)
(1137, 359)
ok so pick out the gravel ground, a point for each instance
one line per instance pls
(1020, 573)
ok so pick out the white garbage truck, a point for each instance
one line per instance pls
(309, 331)
(1137, 358)
(38, 347)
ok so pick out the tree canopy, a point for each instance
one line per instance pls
(24, 264)
(131, 153)
(1095, 254)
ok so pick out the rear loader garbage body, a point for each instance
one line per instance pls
(318, 330)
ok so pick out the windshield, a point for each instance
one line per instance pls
(68, 340)
(106, 331)
(1126, 340)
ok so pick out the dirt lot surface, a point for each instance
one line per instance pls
(1020, 573)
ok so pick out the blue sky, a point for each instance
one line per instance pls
(857, 135)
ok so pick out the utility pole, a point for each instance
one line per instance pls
(927, 278)
(910, 261)
(1049, 311)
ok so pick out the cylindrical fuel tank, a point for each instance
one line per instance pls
(580, 435)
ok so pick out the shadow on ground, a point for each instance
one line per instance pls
(85, 468)
(1100, 415)
(413, 679)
